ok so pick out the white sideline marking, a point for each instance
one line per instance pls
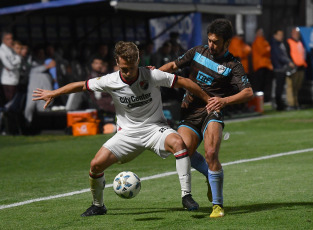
(152, 177)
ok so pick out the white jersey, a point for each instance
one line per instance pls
(138, 105)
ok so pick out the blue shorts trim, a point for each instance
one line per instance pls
(219, 121)
(199, 136)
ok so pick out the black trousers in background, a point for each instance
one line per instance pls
(280, 80)
(263, 81)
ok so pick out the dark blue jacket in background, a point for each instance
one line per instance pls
(279, 56)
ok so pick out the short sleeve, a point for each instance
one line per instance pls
(185, 59)
(164, 79)
(239, 78)
(97, 84)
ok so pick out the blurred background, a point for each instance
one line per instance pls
(76, 33)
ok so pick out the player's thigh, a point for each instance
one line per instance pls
(164, 142)
(213, 137)
(102, 160)
(124, 147)
(190, 138)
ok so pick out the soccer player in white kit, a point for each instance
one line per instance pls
(140, 121)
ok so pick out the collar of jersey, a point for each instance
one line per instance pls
(221, 57)
(128, 82)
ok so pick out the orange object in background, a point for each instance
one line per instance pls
(81, 116)
(83, 123)
(257, 102)
(85, 128)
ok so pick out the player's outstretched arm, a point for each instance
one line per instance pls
(192, 87)
(169, 67)
(49, 95)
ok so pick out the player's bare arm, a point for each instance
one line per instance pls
(169, 67)
(217, 103)
(49, 95)
(192, 87)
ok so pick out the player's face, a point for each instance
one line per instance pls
(128, 70)
(217, 45)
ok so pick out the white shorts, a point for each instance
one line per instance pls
(126, 147)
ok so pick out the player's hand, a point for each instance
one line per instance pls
(41, 94)
(215, 104)
(150, 67)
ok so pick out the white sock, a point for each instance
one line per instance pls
(183, 168)
(97, 184)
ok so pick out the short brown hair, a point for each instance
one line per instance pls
(126, 50)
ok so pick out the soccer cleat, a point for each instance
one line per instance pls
(94, 210)
(189, 203)
(209, 194)
(218, 211)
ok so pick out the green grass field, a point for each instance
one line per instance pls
(274, 193)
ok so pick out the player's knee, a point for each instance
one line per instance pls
(211, 154)
(95, 167)
(178, 143)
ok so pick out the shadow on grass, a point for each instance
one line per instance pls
(204, 212)
(265, 207)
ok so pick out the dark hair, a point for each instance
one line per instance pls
(126, 50)
(277, 29)
(221, 27)
(4, 33)
(96, 57)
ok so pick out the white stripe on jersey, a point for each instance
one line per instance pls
(137, 105)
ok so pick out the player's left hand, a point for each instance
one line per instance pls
(150, 67)
(215, 104)
(41, 94)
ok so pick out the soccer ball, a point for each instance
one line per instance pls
(127, 184)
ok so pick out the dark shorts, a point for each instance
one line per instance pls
(198, 121)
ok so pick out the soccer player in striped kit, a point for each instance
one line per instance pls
(222, 77)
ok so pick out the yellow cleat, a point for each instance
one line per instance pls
(218, 211)
(209, 194)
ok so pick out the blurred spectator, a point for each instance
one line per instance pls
(282, 64)
(149, 48)
(163, 55)
(298, 56)
(177, 48)
(38, 78)
(75, 68)
(10, 67)
(59, 74)
(102, 52)
(262, 65)
(25, 68)
(241, 50)
(17, 47)
(146, 53)
(50, 53)
(101, 100)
